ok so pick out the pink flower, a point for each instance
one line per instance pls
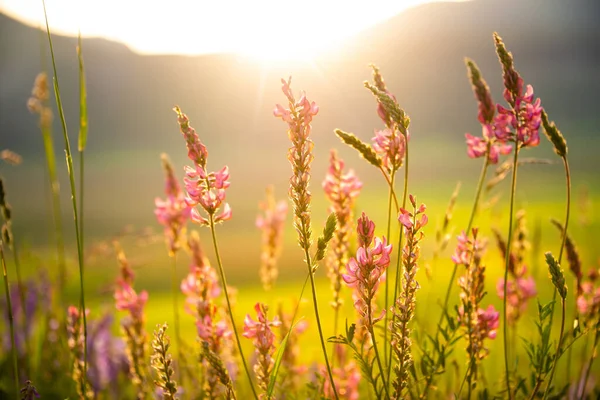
(204, 188)
(524, 118)
(260, 331)
(208, 191)
(127, 299)
(340, 188)
(366, 230)
(367, 270)
(519, 290)
(346, 377)
(391, 146)
(172, 212)
(488, 321)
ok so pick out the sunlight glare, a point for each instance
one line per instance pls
(267, 30)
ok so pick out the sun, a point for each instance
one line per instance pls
(265, 30)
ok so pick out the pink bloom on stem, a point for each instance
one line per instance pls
(366, 271)
(391, 146)
(488, 321)
(172, 212)
(340, 188)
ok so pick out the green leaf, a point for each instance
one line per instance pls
(278, 358)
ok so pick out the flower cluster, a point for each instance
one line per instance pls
(204, 188)
(106, 355)
(271, 223)
(76, 344)
(260, 331)
(404, 309)
(367, 270)
(37, 102)
(478, 323)
(391, 146)
(588, 302)
(299, 116)
(341, 189)
(172, 212)
(136, 338)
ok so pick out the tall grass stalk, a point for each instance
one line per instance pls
(69, 160)
(387, 361)
(513, 190)
(560, 254)
(397, 281)
(592, 357)
(309, 264)
(211, 221)
(175, 290)
(82, 140)
(11, 322)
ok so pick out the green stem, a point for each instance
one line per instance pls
(560, 254)
(482, 176)
(211, 221)
(560, 339)
(73, 190)
(175, 290)
(316, 307)
(592, 357)
(21, 287)
(397, 281)
(10, 320)
(385, 386)
(507, 263)
(389, 226)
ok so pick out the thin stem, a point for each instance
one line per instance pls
(482, 176)
(211, 221)
(560, 339)
(73, 190)
(316, 307)
(507, 263)
(397, 281)
(389, 182)
(385, 386)
(21, 287)
(10, 320)
(389, 226)
(589, 369)
(560, 254)
(174, 288)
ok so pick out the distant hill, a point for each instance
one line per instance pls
(229, 98)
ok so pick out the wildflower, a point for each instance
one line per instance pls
(201, 288)
(172, 212)
(260, 331)
(341, 189)
(76, 344)
(525, 114)
(298, 116)
(367, 270)
(487, 144)
(271, 224)
(162, 362)
(136, 338)
(106, 355)
(478, 324)
(404, 309)
(391, 147)
(204, 188)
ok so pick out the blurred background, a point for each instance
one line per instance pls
(229, 96)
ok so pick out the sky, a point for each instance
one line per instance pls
(260, 28)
